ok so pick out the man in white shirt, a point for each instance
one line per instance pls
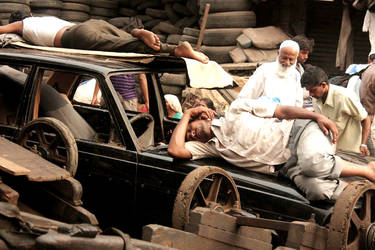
(259, 132)
(279, 79)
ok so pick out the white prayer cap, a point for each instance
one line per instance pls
(174, 103)
(289, 43)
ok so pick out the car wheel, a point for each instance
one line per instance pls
(51, 139)
(352, 224)
(205, 186)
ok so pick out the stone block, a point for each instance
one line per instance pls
(244, 41)
(229, 238)
(238, 55)
(181, 240)
(311, 236)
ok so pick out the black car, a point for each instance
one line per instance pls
(128, 178)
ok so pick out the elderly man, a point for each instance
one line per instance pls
(279, 79)
(93, 35)
(259, 132)
(341, 106)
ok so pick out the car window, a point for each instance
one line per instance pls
(13, 79)
(75, 99)
(132, 90)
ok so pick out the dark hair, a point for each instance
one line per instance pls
(372, 57)
(304, 42)
(313, 76)
(19, 15)
(209, 103)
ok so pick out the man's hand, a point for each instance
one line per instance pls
(327, 126)
(200, 112)
(364, 150)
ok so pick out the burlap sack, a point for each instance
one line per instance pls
(261, 55)
(269, 37)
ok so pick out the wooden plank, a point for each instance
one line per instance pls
(12, 167)
(239, 66)
(40, 170)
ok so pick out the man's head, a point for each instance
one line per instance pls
(305, 47)
(371, 56)
(315, 80)
(287, 58)
(199, 130)
(19, 15)
(208, 103)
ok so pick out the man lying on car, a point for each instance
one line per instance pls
(255, 133)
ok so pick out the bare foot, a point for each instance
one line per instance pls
(371, 171)
(185, 50)
(148, 37)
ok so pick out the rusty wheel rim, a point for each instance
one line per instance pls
(52, 140)
(206, 186)
(352, 218)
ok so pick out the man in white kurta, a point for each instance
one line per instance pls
(278, 80)
(256, 132)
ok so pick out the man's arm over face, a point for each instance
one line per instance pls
(290, 112)
(15, 27)
(176, 147)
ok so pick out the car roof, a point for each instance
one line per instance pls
(93, 62)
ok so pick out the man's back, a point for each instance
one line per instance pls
(344, 108)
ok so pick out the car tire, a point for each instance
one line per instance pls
(168, 79)
(224, 5)
(156, 13)
(53, 4)
(191, 32)
(220, 54)
(221, 37)
(99, 11)
(127, 12)
(63, 135)
(27, 2)
(172, 15)
(74, 16)
(87, 2)
(10, 7)
(232, 19)
(174, 90)
(168, 28)
(46, 12)
(76, 7)
(108, 4)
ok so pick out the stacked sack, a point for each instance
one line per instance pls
(75, 10)
(167, 18)
(226, 21)
(8, 6)
(103, 9)
(46, 7)
(257, 45)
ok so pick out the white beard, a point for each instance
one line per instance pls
(284, 71)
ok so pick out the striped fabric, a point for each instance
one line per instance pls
(125, 86)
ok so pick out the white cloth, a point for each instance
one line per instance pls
(173, 102)
(42, 30)
(248, 136)
(210, 75)
(369, 26)
(85, 92)
(266, 82)
(354, 84)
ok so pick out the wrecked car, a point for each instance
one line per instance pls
(128, 178)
